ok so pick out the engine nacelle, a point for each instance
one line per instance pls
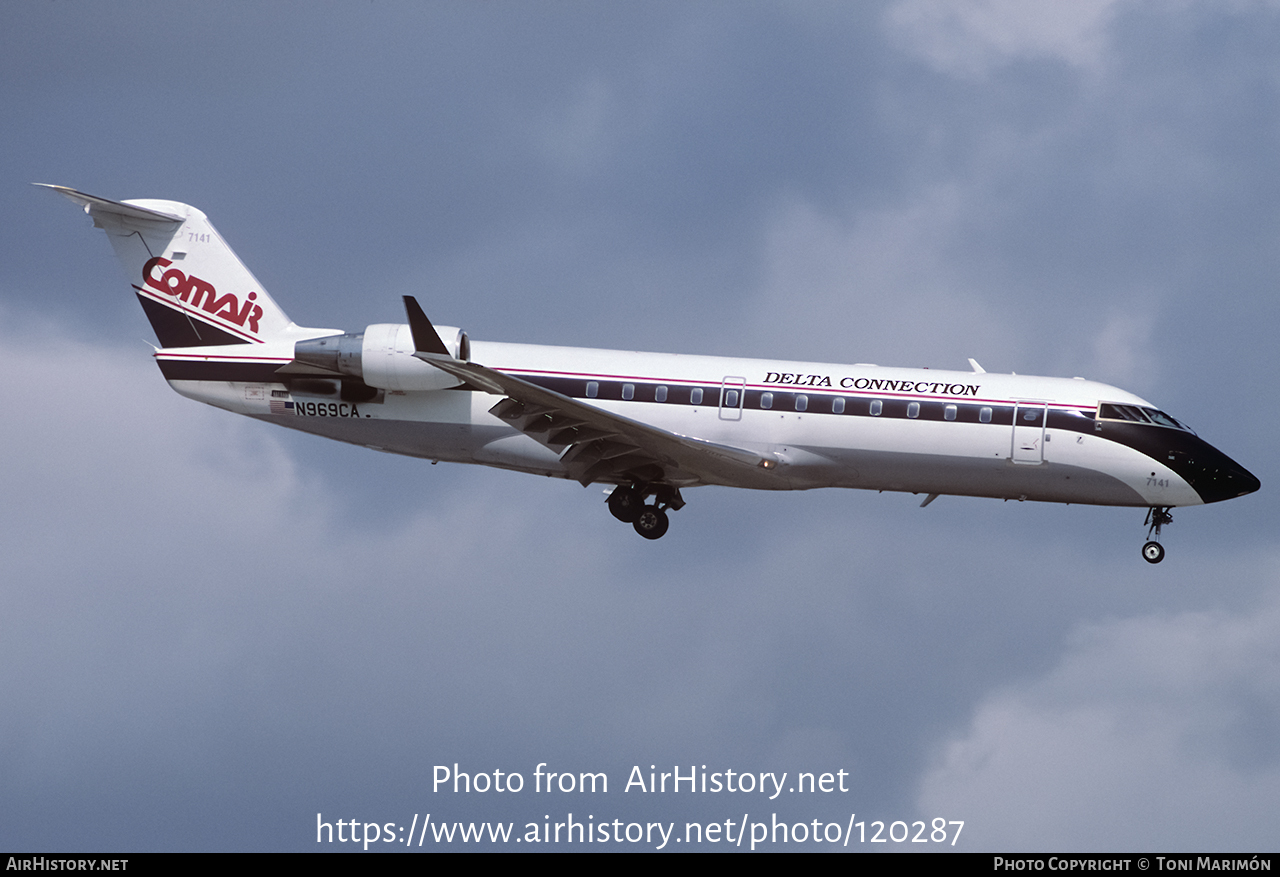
(389, 364)
(382, 357)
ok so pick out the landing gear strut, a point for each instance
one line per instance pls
(627, 504)
(1157, 517)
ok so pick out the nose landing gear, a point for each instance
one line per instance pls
(1157, 517)
(627, 504)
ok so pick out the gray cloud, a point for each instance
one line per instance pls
(1151, 732)
(972, 37)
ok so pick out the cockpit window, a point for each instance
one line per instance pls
(1138, 414)
(1131, 413)
(1159, 417)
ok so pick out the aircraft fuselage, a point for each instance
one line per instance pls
(860, 426)
(649, 423)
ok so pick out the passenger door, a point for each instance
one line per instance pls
(1028, 432)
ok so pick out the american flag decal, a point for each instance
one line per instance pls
(281, 406)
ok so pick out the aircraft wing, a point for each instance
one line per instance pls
(597, 445)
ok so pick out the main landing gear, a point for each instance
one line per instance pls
(1157, 517)
(627, 504)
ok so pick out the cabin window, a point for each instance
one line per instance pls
(949, 412)
(695, 396)
(876, 407)
(837, 405)
(730, 398)
(802, 403)
(913, 410)
(593, 389)
(628, 391)
(660, 394)
(984, 415)
(766, 401)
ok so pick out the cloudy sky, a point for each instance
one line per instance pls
(213, 630)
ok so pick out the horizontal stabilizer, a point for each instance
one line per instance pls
(115, 208)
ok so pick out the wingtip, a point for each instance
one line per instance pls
(54, 187)
(61, 190)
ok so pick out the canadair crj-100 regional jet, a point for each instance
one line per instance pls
(651, 424)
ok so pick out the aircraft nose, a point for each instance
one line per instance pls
(1221, 478)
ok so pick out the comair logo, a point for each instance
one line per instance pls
(201, 294)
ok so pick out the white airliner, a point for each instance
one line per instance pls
(650, 424)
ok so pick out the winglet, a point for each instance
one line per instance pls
(977, 368)
(425, 337)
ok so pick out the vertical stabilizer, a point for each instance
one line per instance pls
(193, 288)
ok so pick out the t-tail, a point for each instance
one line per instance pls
(194, 289)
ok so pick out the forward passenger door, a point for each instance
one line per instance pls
(1028, 432)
